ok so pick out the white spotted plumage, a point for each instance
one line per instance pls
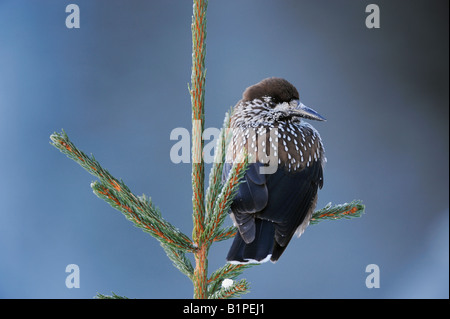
(300, 142)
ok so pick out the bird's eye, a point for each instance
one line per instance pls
(294, 103)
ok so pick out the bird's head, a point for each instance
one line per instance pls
(280, 100)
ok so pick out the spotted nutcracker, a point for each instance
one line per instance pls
(271, 206)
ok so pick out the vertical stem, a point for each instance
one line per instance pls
(197, 91)
(200, 273)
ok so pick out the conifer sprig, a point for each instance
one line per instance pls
(197, 92)
(179, 260)
(223, 200)
(341, 211)
(234, 291)
(139, 210)
(113, 296)
(228, 271)
(215, 175)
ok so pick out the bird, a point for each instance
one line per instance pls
(271, 206)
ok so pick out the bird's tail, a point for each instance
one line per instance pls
(259, 250)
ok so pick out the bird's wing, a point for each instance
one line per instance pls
(251, 197)
(292, 196)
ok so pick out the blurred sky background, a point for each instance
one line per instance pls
(118, 86)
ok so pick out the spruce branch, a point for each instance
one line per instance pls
(225, 233)
(235, 290)
(179, 259)
(215, 175)
(113, 296)
(140, 211)
(341, 211)
(224, 200)
(197, 92)
(228, 271)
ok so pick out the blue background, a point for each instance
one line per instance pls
(118, 86)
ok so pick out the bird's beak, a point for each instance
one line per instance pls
(303, 111)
